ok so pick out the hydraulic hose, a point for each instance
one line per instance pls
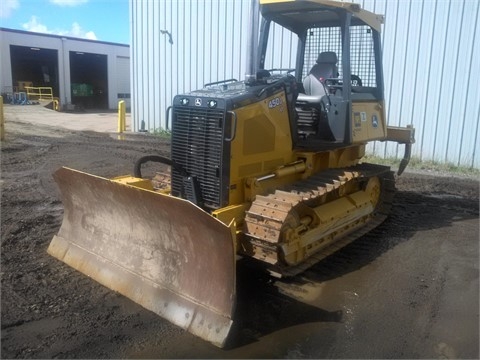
(137, 169)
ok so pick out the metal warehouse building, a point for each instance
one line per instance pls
(430, 61)
(86, 73)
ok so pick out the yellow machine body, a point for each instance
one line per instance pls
(259, 169)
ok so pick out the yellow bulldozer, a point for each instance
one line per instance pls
(268, 168)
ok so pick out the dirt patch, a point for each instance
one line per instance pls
(409, 289)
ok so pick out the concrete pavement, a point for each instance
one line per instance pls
(38, 114)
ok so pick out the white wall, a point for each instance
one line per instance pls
(431, 69)
(122, 79)
(430, 62)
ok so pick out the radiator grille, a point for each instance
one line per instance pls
(197, 138)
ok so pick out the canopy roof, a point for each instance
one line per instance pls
(299, 15)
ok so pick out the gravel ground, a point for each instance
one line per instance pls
(409, 289)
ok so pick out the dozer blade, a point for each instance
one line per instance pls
(162, 252)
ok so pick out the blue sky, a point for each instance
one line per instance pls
(104, 20)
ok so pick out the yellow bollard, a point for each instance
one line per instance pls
(2, 120)
(122, 126)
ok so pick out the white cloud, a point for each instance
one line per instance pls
(76, 30)
(7, 6)
(68, 2)
(35, 26)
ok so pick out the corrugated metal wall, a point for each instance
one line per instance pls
(431, 68)
(430, 60)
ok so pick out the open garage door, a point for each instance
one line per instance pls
(33, 66)
(89, 79)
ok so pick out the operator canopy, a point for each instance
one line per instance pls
(299, 15)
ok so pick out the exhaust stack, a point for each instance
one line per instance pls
(252, 50)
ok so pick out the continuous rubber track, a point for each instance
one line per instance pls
(267, 215)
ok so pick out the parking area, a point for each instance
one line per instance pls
(103, 121)
(408, 289)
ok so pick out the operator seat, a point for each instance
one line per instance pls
(312, 118)
(325, 68)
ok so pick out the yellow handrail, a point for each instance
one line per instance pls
(40, 93)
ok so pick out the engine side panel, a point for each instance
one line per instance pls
(263, 142)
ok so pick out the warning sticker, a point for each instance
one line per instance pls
(356, 119)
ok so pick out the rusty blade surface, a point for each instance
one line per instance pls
(162, 252)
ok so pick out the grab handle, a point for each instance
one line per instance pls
(234, 126)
